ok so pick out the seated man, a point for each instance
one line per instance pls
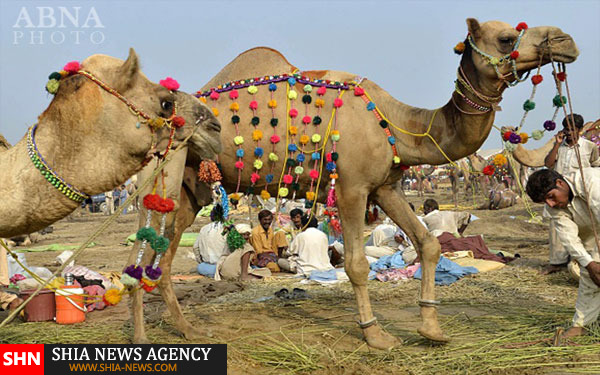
(386, 239)
(268, 245)
(439, 222)
(569, 205)
(209, 247)
(236, 266)
(292, 229)
(308, 251)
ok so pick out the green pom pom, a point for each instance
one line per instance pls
(559, 101)
(235, 240)
(537, 134)
(52, 86)
(334, 156)
(274, 122)
(129, 281)
(317, 120)
(148, 234)
(55, 75)
(528, 105)
(160, 244)
(255, 120)
(235, 119)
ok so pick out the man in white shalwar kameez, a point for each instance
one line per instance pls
(308, 251)
(563, 159)
(567, 205)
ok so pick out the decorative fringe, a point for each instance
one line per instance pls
(331, 197)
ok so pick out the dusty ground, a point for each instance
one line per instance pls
(499, 321)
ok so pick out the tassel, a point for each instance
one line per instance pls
(331, 197)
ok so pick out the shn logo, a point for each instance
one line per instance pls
(21, 358)
(74, 24)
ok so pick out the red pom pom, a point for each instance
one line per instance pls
(254, 177)
(337, 103)
(514, 54)
(293, 113)
(328, 157)
(561, 76)
(253, 104)
(178, 121)
(306, 120)
(169, 83)
(314, 174)
(147, 288)
(522, 26)
(488, 170)
(288, 179)
(506, 135)
(214, 95)
(233, 94)
(151, 201)
(359, 91)
(537, 79)
(239, 164)
(404, 167)
(72, 67)
(322, 90)
(165, 205)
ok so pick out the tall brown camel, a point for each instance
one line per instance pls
(419, 173)
(93, 141)
(365, 164)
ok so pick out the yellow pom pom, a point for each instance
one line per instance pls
(293, 130)
(310, 195)
(215, 111)
(292, 95)
(235, 106)
(265, 195)
(272, 103)
(524, 137)
(52, 86)
(258, 164)
(252, 89)
(234, 196)
(283, 192)
(202, 99)
(319, 103)
(257, 135)
(304, 139)
(112, 296)
(273, 157)
(500, 160)
(238, 140)
(316, 138)
(396, 159)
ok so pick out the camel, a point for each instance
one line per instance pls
(101, 142)
(367, 170)
(419, 173)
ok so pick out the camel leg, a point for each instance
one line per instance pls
(351, 205)
(428, 247)
(184, 218)
(137, 300)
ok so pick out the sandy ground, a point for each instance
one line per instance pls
(499, 321)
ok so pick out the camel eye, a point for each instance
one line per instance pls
(166, 105)
(506, 40)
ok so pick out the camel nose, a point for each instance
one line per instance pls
(214, 125)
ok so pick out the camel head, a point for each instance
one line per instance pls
(499, 40)
(205, 142)
(94, 112)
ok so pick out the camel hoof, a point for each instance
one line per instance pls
(435, 335)
(378, 339)
(192, 333)
(141, 340)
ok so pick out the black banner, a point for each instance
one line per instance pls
(180, 359)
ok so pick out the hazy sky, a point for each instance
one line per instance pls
(404, 46)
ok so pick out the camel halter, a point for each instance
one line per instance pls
(508, 58)
(71, 68)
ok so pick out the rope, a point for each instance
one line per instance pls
(103, 227)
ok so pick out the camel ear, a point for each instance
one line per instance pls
(473, 26)
(128, 72)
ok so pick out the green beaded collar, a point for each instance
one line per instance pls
(55, 180)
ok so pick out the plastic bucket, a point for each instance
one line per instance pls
(41, 308)
(69, 305)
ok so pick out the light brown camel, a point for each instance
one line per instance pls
(366, 168)
(419, 173)
(91, 139)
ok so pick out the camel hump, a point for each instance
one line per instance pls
(4, 144)
(255, 62)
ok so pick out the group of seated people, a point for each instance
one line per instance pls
(298, 247)
(302, 245)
